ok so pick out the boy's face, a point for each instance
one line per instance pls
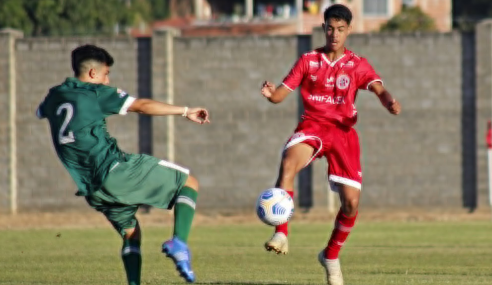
(99, 74)
(336, 32)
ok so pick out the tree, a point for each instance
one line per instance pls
(467, 13)
(411, 19)
(12, 14)
(72, 17)
(160, 9)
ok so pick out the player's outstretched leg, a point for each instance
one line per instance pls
(344, 222)
(130, 253)
(294, 159)
(177, 248)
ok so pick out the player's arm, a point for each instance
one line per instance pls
(291, 81)
(274, 94)
(155, 108)
(385, 97)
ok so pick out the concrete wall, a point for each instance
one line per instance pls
(43, 182)
(433, 154)
(237, 155)
(483, 103)
(415, 158)
(6, 50)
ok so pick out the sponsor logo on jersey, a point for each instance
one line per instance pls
(348, 64)
(314, 64)
(335, 100)
(330, 82)
(343, 81)
(121, 93)
(360, 173)
(314, 77)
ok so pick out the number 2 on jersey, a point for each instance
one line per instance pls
(69, 138)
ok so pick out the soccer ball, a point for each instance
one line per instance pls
(274, 206)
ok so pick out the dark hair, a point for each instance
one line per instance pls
(89, 52)
(338, 12)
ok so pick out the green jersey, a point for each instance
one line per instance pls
(77, 113)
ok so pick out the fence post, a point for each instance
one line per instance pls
(163, 89)
(11, 35)
(483, 107)
(489, 156)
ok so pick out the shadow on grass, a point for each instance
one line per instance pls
(241, 283)
(248, 283)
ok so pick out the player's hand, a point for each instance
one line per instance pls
(267, 89)
(198, 115)
(394, 107)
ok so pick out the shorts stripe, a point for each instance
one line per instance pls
(174, 166)
(304, 138)
(130, 249)
(345, 181)
(114, 166)
(186, 200)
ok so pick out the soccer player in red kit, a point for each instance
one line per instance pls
(329, 78)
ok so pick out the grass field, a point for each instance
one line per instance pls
(376, 253)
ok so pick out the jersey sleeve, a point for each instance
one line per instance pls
(366, 75)
(113, 101)
(296, 74)
(39, 111)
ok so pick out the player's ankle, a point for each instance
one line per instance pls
(282, 229)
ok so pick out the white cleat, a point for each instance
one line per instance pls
(278, 243)
(332, 268)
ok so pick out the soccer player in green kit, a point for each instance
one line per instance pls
(113, 182)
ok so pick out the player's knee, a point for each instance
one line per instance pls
(192, 182)
(350, 207)
(133, 233)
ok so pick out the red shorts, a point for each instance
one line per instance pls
(339, 145)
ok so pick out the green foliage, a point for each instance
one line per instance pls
(467, 13)
(13, 14)
(73, 17)
(160, 9)
(411, 19)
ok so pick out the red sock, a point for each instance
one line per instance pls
(283, 228)
(343, 226)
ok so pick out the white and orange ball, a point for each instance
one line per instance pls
(274, 206)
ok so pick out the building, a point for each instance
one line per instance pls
(369, 15)
(287, 17)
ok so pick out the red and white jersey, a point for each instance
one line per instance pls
(329, 88)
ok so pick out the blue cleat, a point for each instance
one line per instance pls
(178, 251)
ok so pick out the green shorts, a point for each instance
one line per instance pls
(142, 179)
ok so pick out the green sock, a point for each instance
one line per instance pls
(184, 210)
(130, 253)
